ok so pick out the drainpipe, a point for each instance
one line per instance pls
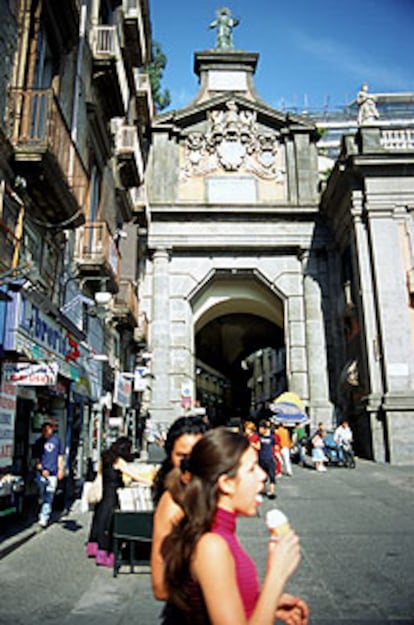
(78, 76)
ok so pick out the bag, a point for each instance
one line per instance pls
(95, 490)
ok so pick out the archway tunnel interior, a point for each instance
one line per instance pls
(227, 348)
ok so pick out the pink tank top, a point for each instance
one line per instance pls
(224, 524)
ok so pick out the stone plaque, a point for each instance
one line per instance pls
(235, 190)
(227, 81)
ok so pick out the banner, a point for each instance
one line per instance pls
(122, 390)
(30, 374)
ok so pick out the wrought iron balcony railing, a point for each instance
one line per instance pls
(41, 137)
(96, 253)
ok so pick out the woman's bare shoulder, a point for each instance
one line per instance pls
(212, 544)
(168, 509)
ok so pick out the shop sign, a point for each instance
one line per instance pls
(116, 422)
(122, 390)
(139, 379)
(7, 416)
(31, 374)
(186, 398)
(28, 324)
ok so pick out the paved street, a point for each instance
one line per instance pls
(357, 568)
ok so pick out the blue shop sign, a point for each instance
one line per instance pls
(31, 331)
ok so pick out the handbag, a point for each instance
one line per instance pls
(95, 490)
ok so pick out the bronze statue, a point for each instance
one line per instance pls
(224, 23)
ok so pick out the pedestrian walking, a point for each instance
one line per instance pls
(252, 436)
(48, 455)
(285, 446)
(318, 449)
(298, 440)
(267, 456)
(208, 575)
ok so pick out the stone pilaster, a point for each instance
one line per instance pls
(320, 408)
(160, 336)
(370, 329)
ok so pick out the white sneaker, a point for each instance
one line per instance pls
(42, 523)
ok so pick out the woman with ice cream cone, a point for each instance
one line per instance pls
(208, 575)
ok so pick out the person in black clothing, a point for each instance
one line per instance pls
(100, 537)
(266, 455)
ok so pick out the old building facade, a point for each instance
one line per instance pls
(75, 110)
(248, 252)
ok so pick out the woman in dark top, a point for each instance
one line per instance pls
(100, 537)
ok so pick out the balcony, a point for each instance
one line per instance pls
(64, 16)
(125, 304)
(96, 254)
(46, 157)
(109, 70)
(141, 331)
(139, 202)
(138, 44)
(129, 156)
(143, 98)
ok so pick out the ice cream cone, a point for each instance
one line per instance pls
(277, 523)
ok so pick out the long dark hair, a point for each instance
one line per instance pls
(217, 453)
(121, 448)
(183, 425)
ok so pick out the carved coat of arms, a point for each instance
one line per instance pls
(232, 142)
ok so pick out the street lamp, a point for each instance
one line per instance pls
(102, 298)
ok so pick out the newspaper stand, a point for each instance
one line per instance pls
(132, 527)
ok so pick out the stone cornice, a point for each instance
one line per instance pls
(234, 59)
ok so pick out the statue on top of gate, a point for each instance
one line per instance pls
(224, 23)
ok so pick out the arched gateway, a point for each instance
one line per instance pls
(236, 253)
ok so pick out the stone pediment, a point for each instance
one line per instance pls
(194, 113)
(231, 134)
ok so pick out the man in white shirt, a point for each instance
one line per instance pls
(343, 438)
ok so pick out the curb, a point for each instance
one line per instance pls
(16, 541)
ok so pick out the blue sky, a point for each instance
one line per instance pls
(314, 52)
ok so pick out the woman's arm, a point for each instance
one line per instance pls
(214, 569)
(166, 515)
(131, 470)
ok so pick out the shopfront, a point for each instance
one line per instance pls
(40, 370)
